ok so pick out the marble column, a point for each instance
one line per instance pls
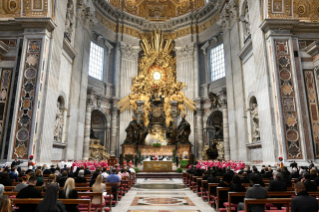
(199, 128)
(87, 129)
(114, 130)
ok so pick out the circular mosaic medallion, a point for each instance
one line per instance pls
(292, 135)
(22, 134)
(285, 75)
(302, 9)
(30, 73)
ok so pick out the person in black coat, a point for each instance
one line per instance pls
(303, 202)
(95, 174)
(16, 162)
(5, 180)
(29, 192)
(47, 171)
(198, 173)
(263, 169)
(70, 172)
(226, 182)
(277, 184)
(293, 164)
(206, 175)
(63, 178)
(52, 169)
(244, 179)
(310, 186)
(212, 179)
(256, 173)
(80, 178)
(236, 186)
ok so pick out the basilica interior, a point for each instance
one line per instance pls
(242, 72)
(176, 80)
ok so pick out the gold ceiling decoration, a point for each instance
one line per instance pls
(158, 10)
(157, 77)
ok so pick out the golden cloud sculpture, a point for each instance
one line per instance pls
(157, 76)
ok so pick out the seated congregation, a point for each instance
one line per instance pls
(62, 190)
(256, 191)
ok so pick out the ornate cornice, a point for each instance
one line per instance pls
(26, 22)
(128, 51)
(85, 11)
(229, 15)
(313, 49)
(144, 25)
(186, 51)
(3, 49)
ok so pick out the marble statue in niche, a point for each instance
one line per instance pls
(69, 21)
(255, 122)
(184, 130)
(245, 20)
(59, 123)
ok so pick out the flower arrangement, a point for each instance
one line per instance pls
(157, 145)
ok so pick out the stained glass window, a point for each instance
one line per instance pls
(96, 61)
(217, 62)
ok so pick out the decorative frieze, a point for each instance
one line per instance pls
(288, 100)
(27, 96)
(229, 15)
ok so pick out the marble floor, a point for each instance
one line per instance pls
(161, 195)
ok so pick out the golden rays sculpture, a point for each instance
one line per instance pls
(156, 76)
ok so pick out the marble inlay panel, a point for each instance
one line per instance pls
(159, 193)
(154, 201)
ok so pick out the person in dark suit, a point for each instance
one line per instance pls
(310, 186)
(191, 170)
(303, 202)
(63, 178)
(70, 172)
(226, 182)
(87, 171)
(5, 179)
(268, 174)
(293, 164)
(263, 167)
(212, 179)
(244, 179)
(29, 192)
(236, 186)
(311, 165)
(47, 171)
(295, 173)
(248, 171)
(256, 192)
(241, 171)
(16, 162)
(277, 184)
(206, 175)
(256, 173)
(52, 169)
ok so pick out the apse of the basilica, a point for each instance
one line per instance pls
(196, 79)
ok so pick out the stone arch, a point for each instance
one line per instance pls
(63, 99)
(208, 114)
(107, 116)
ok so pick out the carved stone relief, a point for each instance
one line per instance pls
(59, 123)
(69, 21)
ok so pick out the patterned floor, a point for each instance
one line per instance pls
(161, 195)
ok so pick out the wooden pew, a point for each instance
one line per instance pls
(203, 190)
(65, 201)
(198, 186)
(95, 194)
(116, 194)
(269, 200)
(217, 199)
(210, 186)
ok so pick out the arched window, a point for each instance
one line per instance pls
(96, 61)
(217, 62)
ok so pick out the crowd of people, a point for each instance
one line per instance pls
(58, 177)
(279, 180)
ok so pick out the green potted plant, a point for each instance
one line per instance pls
(157, 145)
(137, 170)
(179, 170)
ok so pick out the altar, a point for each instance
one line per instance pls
(157, 166)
